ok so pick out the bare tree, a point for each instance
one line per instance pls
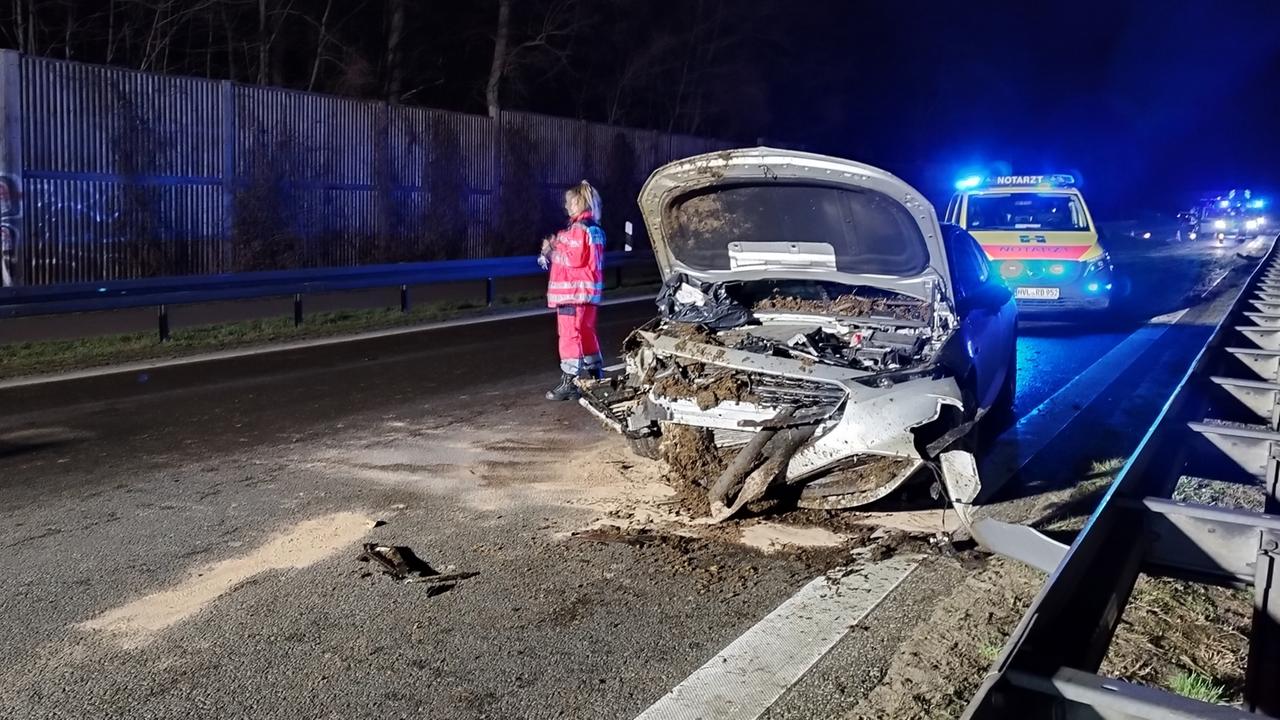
(395, 31)
(541, 44)
(499, 64)
(322, 42)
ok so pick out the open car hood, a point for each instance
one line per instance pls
(760, 213)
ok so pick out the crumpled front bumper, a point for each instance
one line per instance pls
(868, 426)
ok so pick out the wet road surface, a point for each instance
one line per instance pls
(184, 541)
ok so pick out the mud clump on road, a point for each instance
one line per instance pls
(728, 567)
(693, 462)
(851, 305)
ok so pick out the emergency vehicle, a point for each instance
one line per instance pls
(1040, 238)
(1233, 216)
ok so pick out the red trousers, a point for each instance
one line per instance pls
(579, 347)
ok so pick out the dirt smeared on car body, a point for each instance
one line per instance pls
(807, 331)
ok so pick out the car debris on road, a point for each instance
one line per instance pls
(400, 563)
(817, 326)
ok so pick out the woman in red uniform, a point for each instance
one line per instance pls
(576, 259)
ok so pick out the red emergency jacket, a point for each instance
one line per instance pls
(577, 264)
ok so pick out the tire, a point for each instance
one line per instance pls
(649, 446)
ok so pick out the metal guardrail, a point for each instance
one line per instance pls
(1222, 423)
(163, 292)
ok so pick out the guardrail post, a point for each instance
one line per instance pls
(1261, 693)
(163, 319)
(297, 309)
(488, 292)
(404, 298)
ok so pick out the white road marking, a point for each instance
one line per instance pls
(147, 365)
(1214, 284)
(748, 676)
(1033, 431)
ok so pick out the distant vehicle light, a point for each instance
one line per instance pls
(1250, 224)
(1220, 224)
(968, 183)
(1011, 269)
(1146, 236)
(1224, 203)
(1093, 287)
(1057, 269)
(1257, 203)
(1107, 286)
(1191, 236)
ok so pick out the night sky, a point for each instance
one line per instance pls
(1148, 101)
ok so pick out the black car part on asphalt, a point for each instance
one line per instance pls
(1222, 423)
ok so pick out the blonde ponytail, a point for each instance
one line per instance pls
(590, 198)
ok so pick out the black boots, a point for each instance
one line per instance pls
(566, 390)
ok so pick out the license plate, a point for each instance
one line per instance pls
(1035, 293)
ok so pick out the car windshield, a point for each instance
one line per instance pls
(1026, 211)
(855, 230)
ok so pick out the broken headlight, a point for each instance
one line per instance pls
(893, 377)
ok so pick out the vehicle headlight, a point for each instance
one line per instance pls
(1262, 221)
(1010, 269)
(1146, 236)
(1250, 224)
(1098, 265)
(1219, 224)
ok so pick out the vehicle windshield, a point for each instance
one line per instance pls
(852, 230)
(1026, 211)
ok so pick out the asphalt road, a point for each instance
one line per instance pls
(184, 543)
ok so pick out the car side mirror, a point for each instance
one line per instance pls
(991, 295)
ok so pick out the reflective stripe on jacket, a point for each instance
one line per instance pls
(577, 264)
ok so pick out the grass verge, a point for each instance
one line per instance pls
(43, 357)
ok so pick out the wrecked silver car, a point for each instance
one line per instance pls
(817, 327)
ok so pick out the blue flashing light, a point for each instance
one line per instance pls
(969, 183)
(1093, 287)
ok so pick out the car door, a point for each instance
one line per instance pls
(989, 330)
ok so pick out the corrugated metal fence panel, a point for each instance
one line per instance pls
(480, 211)
(124, 173)
(306, 137)
(646, 144)
(559, 145)
(479, 140)
(92, 119)
(121, 173)
(409, 137)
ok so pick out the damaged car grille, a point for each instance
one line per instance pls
(777, 390)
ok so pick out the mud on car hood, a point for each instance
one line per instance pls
(757, 213)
